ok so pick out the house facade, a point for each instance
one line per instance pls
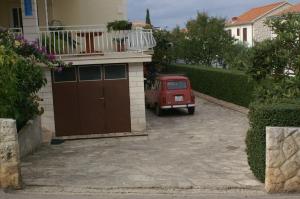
(103, 91)
(250, 27)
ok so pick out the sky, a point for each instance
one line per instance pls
(169, 13)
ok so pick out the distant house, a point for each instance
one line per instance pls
(293, 9)
(250, 26)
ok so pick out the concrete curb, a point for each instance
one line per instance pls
(222, 103)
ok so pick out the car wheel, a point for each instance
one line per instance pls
(191, 110)
(158, 110)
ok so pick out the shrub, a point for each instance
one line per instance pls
(21, 77)
(20, 80)
(261, 116)
(231, 86)
(119, 25)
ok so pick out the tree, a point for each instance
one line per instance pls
(177, 37)
(238, 57)
(206, 40)
(277, 58)
(163, 51)
(278, 61)
(148, 20)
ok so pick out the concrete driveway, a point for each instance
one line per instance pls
(201, 152)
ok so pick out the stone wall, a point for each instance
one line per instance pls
(10, 172)
(137, 97)
(47, 118)
(30, 137)
(261, 31)
(282, 159)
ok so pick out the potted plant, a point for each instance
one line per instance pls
(120, 25)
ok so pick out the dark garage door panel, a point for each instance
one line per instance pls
(117, 106)
(91, 107)
(67, 120)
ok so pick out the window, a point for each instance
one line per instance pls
(245, 39)
(28, 8)
(89, 73)
(177, 85)
(66, 75)
(238, 32)
(115, 72)
(229, 32)
(17, 18)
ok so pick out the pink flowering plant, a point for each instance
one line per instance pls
(32, 50)
(21, 77)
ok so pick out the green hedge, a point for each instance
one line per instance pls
(261, 116)
(231, 86)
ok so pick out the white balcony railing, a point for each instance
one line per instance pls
(90, 40)
(16, 31)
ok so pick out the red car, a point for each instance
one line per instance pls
(168, 92)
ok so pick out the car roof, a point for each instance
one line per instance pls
(172, 77)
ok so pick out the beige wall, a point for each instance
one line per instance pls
(5, 11)
(88, 12)
(70, 12)
(42, 13)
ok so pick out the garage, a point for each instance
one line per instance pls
(91, 99)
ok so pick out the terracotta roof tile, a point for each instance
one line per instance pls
(254, 13)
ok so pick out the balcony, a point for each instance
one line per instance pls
(65, 41)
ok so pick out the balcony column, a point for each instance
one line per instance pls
(46, 14)
(30, 19)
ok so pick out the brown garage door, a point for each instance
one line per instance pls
(91, 99)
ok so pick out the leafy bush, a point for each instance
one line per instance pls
(206, 40)
(119, 25)
(261, 116)
(272, 92)
(20, 80)
(231, 86)
(238, 57)
(21, 77)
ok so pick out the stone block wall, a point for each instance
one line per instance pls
(282, 159)
(10, 172)
(30, 137)
(47, 118)
(137, 97)
(261, 31)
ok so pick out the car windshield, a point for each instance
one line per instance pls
(177, 85)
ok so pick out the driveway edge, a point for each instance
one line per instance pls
(222, 103)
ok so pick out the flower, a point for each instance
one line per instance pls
(17, 43)
(51, 57)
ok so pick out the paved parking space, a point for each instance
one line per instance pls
(202, 152)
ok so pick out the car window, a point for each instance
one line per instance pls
(177, 84)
